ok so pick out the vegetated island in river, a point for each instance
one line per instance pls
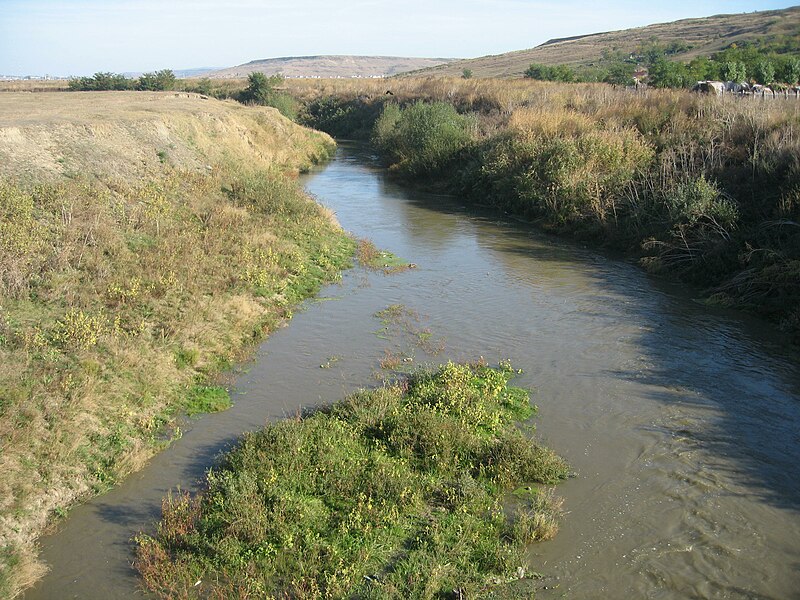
(702, 189)
(424, 488)
(146, 241)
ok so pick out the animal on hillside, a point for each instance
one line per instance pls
(709, 87)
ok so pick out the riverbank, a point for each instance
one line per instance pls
(702, 190)
(403, 491)
(148, 241)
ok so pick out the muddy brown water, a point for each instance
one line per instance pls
(681, 421)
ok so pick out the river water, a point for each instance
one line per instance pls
(682, 422)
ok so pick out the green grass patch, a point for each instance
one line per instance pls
(207, 399)
(405, 491)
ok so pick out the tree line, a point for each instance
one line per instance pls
(773, 64)
(104, 81)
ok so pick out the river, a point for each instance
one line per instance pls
(681, 421)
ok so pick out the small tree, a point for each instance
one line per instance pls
(260, 88)
(765, 72)
(538, 71)
(621, 73)
(734, 70)
(158, 81)
(791, 71)
(466, 74)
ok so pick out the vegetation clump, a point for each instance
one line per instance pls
(263, 90)
(162, 80)
(422, 139)
(370, 257)
(400, 492)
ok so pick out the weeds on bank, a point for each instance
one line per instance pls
(399, 492)
(119, 304)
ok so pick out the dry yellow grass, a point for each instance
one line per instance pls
(34, 85)
(131, 134)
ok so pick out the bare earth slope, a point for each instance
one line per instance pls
(127, 134)
(705, 36)
(330, 66)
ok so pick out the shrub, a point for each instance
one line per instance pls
(423, 138)
(159, 81)
(102, 81)
(262, 90)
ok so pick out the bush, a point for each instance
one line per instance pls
(159, 81)
(550, 73)
(102, 82)
(423, 138)
(261, 90)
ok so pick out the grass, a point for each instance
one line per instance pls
(703, 190)
(207, 399)
(399, 492)
(127, 289)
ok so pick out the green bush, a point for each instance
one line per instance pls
(576, 178)
(551, 73)
(162, 80)
(102, 82)
(262, 90)
(422, 139)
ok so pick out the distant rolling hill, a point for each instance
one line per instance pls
(330, 66)
(703, 36)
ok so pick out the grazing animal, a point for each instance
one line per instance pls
(735, 87)
(763, 91)
(709, 87)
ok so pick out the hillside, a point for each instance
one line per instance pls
(330, 66)
(702, 36)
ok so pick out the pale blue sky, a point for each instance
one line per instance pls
(77, 37)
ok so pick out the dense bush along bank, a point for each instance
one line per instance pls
(122, 299)
(426, 488)
(706, 190)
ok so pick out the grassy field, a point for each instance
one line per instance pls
(704, 190)
(702, 36)
(146, 241)
(425, 488)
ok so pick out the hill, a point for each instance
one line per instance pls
(693, 37)
(330, 66)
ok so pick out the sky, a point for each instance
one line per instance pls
(81, 37)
